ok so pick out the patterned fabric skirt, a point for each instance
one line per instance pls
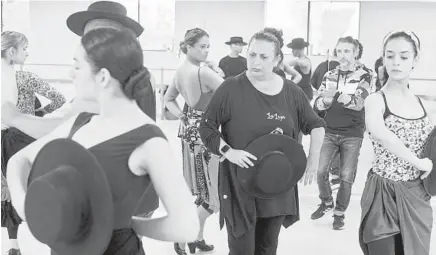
(200, 166)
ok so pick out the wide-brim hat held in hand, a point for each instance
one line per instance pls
(68, 203)
(281, 162)
(102, 10)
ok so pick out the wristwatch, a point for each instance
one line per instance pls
(225, 149)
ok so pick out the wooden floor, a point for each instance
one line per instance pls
(306, 237)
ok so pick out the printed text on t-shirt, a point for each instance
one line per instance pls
(275, 116)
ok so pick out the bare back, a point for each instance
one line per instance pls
(195, 90)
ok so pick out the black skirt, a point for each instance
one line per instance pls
(13, 140)
(124, 242)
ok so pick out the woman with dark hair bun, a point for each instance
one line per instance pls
(197, 83)
(109, 68)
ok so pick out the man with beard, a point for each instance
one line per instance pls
(342, 94)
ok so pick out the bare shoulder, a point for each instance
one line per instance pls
(375, 102)
(206, 72)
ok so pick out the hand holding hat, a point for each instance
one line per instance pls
(280, 164)
(240, 158)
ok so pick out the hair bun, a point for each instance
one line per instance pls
(277, 33)
(138, 84)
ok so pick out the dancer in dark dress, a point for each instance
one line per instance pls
(120, 149)
(108, 14)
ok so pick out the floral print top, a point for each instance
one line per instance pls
(28, 84)
(413, 133)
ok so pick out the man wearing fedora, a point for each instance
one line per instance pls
(302, 65)
(108, 14)
(234, 64)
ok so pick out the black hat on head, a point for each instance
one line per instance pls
(297, 43)
(76, 22)
(236, 39)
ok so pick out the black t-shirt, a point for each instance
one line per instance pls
(233, 66)
(244, 114)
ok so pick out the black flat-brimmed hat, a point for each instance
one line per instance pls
(102, 10)
(280, 164)
(297, 43)
(430, 152)
(236, 39)
(68, 203)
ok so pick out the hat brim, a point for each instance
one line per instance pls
(297, 47)
(430, 152)
(67, 152)
(265, 144)
(243, 43)
(76, 22)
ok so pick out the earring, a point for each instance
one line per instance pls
(11, 62)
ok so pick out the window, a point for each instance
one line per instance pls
(157, 18)
(15, 16)
(289, 16)
(329, 21)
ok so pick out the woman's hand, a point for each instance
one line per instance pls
(425, 165)
(184, 119)
(240, 158)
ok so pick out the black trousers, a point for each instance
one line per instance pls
(392, 245)
(261, 240)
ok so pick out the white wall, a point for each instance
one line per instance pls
(51, 42)
(379, 18)
(221, 19)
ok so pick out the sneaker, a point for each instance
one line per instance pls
(338, 222)
(13, 252)
(334, 183)
(321, 211)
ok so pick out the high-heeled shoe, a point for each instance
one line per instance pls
(179, 250)
(201, 245)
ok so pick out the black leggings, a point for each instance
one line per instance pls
(12, 232)
(392, 245)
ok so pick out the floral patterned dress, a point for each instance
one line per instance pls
(200, 166)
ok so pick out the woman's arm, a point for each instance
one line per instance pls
(181, 223)
(35, 127)
(310, 123)
(44, 89)
(374, 110)
(216, 68)
(296, 76)
(170, 100)
(20, 164)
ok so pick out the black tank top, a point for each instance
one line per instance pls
(304, 84)
(113, 155)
